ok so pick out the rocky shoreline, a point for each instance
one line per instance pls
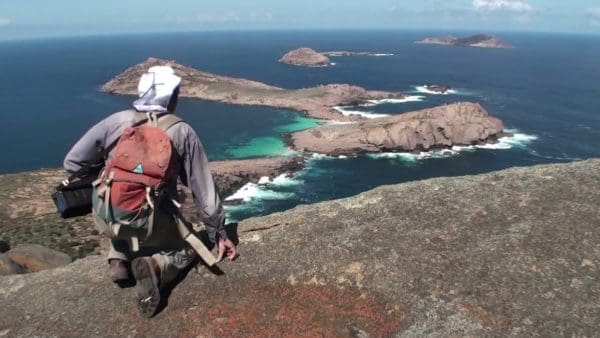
(464, 123)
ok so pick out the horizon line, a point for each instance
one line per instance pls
(281, 30)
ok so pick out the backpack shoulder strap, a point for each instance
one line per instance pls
(138, 117)
(167, 121)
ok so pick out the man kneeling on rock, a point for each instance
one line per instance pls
(145, 150)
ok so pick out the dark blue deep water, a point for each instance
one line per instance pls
(547, 90)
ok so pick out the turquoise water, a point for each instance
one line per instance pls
(270, 145)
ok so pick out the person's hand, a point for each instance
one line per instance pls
(225, 247)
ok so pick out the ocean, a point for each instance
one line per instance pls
(546, 90)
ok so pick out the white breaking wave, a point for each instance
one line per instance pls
(516, 140)
(332, 63)
(424, 90)
(285, 180)
(412, 98)
(264, 180)
(262, 190)
(413, 157)
(381, 54)
(317, 156)
(347, 112)
(252, 195)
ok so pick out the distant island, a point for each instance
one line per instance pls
(305, 57)
(479, 40)
(439, 89)
(308, 57)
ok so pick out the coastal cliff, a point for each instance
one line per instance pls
(463, 123)
(512, 252)
(479, 40)
(317, 101)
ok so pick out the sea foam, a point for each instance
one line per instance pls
(424, 90)
(252, 195)
(263, 189)
(515, 140)
(348, 112)
(412, 98)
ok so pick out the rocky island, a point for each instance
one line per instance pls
(316, 102)
(305, 56)
(308, 57)
(463, 123)
(437, 89)
(507, 253)
(479, 40)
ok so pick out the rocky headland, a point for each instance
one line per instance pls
(479, 40)
(462, 123)
(316, 102)
(513, 252)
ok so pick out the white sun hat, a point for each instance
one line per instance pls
(155, 88)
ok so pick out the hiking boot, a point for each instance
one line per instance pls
(147, 274)
(118, 272)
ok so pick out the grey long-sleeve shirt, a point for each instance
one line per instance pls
(194, 171)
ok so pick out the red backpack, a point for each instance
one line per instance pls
(135, 179)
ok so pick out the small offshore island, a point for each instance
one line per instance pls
(308, 57)
(479, 40)
(305, 56)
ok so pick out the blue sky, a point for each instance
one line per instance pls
(37, 18)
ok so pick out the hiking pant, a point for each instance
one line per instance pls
(165, 245)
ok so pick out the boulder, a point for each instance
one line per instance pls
(8, 267)
(35, 257)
